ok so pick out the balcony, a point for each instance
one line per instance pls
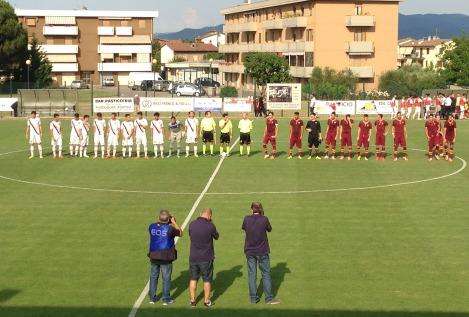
(62, 58)
(124, 49)
(286, 47)
(360, 48)
(124, 67)
(295, 22)
(60, 30)
(363, 71)
(59, 49)
(301, 71)
(64, 67)
(241, 27)
(231, 68)
(136, 39)
(276, 24)
(105, 30)
(124, 31)
(360, 21)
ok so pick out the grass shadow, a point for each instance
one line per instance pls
(8, 293)
(224, 280)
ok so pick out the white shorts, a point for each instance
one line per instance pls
(141, 140)
(158, 139)
(74, 140)
(112, 140)
(56, 142)
(84, 141)
(127, 142)
(34, 139)
(99, 139)
(191, 138)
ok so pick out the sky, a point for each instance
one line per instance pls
(178, 14)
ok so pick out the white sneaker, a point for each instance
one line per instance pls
(289, 157)
(309, 157)
(318, 158)
(187, 155)
(266, 156)
(196, 155)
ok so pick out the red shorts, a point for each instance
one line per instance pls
(449, 139)
(433, 142)
(270, 139)
(399, 141)
(380, 140)
(346, 140)
(295, 141)
(331, 140)
(363, 142)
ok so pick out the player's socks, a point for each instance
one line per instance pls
(248, 150)
(204, 149)
(145, 151)
(130, 151)
(39, 148)
(178, 152)
(71, 150)
(241, 150)
(227, 150)
(211, 149)
(31, 151)
(60, 152)
(77, 150)
(162, 151)
(124, 151)
(195, 151)
(138, 151)
(95, 152)
(114, 150)
(102, 151)
(155, 149)
(221, 149)
(187, 150)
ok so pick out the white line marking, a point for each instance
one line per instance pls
(18, 151)
(144, 292)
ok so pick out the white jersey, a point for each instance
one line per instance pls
(157, 128)
(191, 125)
(54, 126)
(127, 129)
(114, 127)
(75, 132)
(85, 132)
(99, 131)
(140, 126)
(34, 125)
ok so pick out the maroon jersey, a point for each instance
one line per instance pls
(450, 129)
(271, 126)
(346, 127)
(381, 127)
(399, 128)
(296, 127)
(433, 128)
(365, 128)
(333, 125)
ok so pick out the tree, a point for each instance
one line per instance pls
(330, 84)
(156, 54)
(455, 61)
(410, 81)
(267, 68)
(40, 69)
(214, 55)
(228, 91)
(13, 38)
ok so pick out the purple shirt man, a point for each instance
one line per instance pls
(256, 227)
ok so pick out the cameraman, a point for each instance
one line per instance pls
(162, 254)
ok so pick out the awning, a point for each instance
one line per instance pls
(51, 20)
(107, 56)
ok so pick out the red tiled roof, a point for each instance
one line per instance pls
(424, 43)
(180, 46)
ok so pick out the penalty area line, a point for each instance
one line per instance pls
(145, 290)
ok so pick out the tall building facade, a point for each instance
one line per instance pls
(92, 45)
(357, 35)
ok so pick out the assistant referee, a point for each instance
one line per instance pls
(245, 127)
(207, 132)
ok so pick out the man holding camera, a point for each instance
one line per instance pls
(256, 249)
(162, 253)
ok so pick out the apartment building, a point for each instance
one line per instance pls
(92, 45)
(424, 52)
(358, 35)
(185, 51)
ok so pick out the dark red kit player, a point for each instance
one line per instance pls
(296, 135)
(346, 137)
(432, 132)
(331, 136)
(270, 135)
(450, 137)
(380, 142)
(399, 133)
(363, 140)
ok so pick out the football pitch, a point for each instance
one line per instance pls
(358, 238)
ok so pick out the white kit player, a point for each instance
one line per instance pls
(75, 135)
(56, 133)
(34, 133)
(127, 130)
(157, 129)
(85, 136)
(113, 128)
(191, 126)
(99, 127)
(141, 125)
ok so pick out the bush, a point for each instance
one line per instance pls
(228, 91)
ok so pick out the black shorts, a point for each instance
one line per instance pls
(207, 136)
(202, 270)
(225, 138)
(313, 141)
(245, 138)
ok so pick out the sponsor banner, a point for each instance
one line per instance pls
(208, 104)
(166, 104)
(113, 104)
(341, 107)
(237, 104)
(374, 107)
(284, 96)
(6, 103)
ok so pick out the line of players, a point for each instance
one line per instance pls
(440, 138)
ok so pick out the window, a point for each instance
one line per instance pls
(50, 41)
(31, 21)
(124, 23)
(428, 51)
(358, 9)
(259, 38)
(302, 11)
(309, 35)
(142, 24)
(106, 23)
(359, 36)
(68, 41)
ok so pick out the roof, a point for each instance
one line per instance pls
(180, 46)
(424, 42)
(273, 3)
(87, 13)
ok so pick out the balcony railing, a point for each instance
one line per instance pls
(105, 30)
(360, 48)
(59, 49)
(124, 49)
(231, 68)
(301, 71)
(295, 22)
(241, 27)
(273, 24)
(124, 67)
(360, 21)
(60, 30)
(124, 30)
(64, 67)
(268, 47)
(363, 71)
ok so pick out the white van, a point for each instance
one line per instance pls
(136, 78)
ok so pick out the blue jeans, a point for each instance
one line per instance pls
(263, 261)
(166, 271)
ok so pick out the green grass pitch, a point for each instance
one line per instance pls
(384, 251)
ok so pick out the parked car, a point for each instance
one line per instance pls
(108, 82)
(78, 84)
(206, 82)
(159, 85)
(172, 86)
(189, 90)
(136, 78)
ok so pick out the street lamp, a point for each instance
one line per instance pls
(28, 64)
(154, 61)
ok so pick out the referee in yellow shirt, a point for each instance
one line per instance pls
(245, 128)
(207, 132)
(226, 132)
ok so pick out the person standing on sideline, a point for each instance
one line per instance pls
(128, 131)
(75, 135)
(141, 126)
(202, 232)
(270, 136)
(162, 253)
(175, 136)
(226, 133)
(157, 128)
(256, 249)
(245, 127)
(191, 128)
(296, 136)
(85, 132)
(113, 128)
